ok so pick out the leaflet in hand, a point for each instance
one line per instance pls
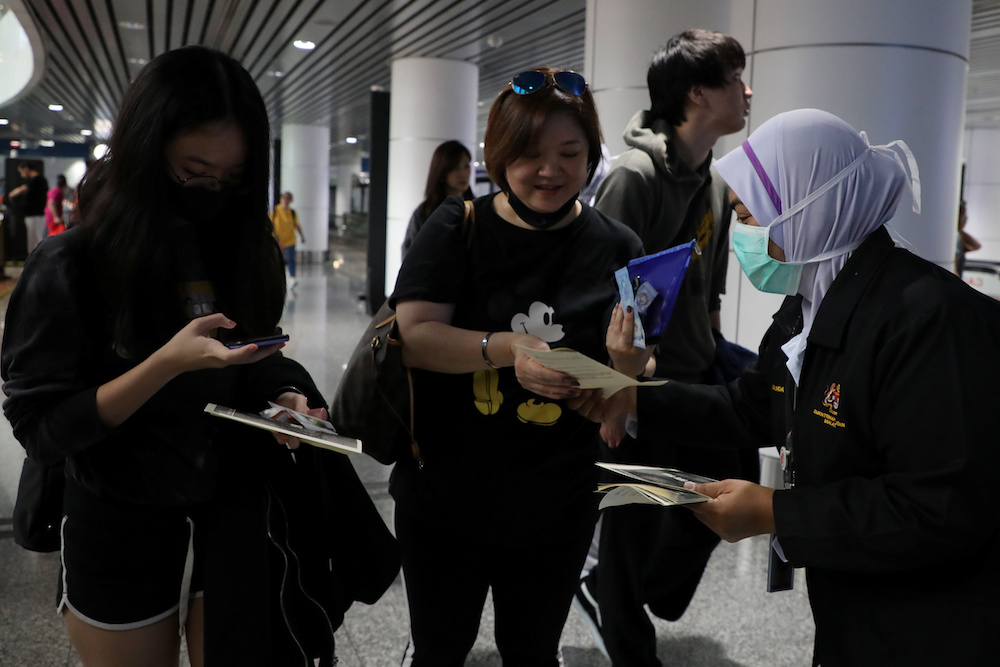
(650, 285)
(589, 373)
(625, 292)
(278, 419)
(652, 486)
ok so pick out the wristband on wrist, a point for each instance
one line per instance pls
(286, 389)
(486, 357)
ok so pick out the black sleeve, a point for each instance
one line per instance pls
(436, 262)
(265, 380)
(740, 414)
(416, 222)
(734, 415)
(52, 343)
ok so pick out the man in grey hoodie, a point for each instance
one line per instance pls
(665, 189)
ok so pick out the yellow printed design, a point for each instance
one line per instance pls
(538, 413)
(705, 231)
(486, 388)
(831, 407)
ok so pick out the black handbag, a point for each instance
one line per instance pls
(374, 400)
(38, 509)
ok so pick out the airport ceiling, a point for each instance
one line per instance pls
(92, 48)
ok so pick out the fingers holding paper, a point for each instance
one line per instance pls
(626, 357)
(738, 508)
(535, 377)
(298, 402)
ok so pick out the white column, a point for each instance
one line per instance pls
(23, 52)
(433, 100)
(982, 191)
(305, 172)
(346, 165)
(621, 36)
(898, 74)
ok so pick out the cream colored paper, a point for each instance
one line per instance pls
(589, 373)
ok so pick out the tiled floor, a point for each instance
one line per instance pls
(732, 621)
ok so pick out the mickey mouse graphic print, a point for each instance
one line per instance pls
(482, 432)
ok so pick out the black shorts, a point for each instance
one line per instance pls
(123, 565)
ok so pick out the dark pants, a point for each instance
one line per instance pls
(655, 555)
(648, 555)
(447, 575)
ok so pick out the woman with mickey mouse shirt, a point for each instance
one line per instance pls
(505, 496)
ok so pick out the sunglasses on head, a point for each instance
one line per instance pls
(532, 81)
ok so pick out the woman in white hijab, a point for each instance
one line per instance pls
(832, 190)
(878, 380)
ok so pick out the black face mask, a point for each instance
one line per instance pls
(536, 219)
(196, 204)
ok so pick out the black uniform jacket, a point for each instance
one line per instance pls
(895, 513)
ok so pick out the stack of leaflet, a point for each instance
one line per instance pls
(650, 486)
(650, 285)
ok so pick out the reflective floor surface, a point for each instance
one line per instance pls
(732, 621)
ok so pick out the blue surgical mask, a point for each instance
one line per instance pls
(765, 272)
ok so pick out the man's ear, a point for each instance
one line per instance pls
(696, 95)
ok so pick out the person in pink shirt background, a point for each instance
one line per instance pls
(54, 207)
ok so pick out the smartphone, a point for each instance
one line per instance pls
(261, 341)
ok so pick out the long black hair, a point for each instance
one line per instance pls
(445, 159)
(124, 207)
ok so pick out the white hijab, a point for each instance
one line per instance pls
(820, 189)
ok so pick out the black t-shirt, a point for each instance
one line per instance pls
(36, 196)
(520, 464)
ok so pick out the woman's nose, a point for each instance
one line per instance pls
(549, 166)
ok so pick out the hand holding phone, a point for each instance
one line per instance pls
(260, 341)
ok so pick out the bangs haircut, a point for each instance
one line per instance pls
(690, 58)
(515, 122)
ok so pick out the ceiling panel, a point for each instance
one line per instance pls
(94, 47)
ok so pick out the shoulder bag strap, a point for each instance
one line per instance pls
(468, 231)
(469, 223)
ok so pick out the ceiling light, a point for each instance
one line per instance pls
(131, 25)
(46, 143)
(4, 121)
(276, 73)
(55, 107)
(100, 150)
(304, 44)
(351, 140)
(86, 133)
(137, 61)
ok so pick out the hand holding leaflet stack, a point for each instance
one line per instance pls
(650, 485)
